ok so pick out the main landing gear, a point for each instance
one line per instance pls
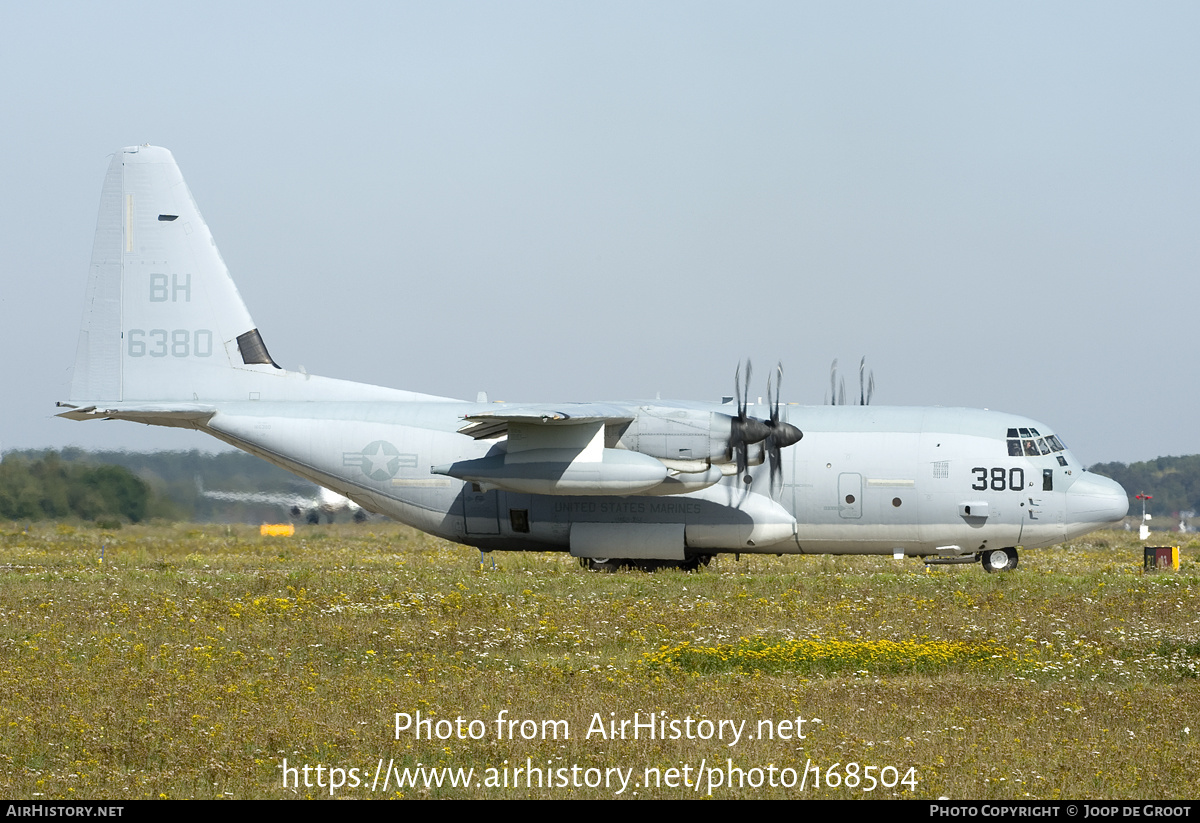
(998, 560)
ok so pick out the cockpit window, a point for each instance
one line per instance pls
(1028, 443)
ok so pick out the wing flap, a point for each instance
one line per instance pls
(492, 424)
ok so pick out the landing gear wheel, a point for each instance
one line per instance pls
(998, 560)
(601, 564)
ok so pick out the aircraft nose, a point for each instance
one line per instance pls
(1095, 501)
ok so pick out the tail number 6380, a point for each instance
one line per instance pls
(173, 342)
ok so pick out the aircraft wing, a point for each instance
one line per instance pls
(491, 424)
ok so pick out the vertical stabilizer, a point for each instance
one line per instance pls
(163, 319)
(164, 325)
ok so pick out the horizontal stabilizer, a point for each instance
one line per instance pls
(186, 416)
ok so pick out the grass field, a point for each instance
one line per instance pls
(183, 661)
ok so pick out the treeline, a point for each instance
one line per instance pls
(52, 488)
(37, 484)
(1172, 482)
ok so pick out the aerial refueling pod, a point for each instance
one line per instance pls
(544, 471)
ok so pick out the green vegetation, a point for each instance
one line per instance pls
(185, 661)
(174, 481)
(812, 655)
(49, 487)
(1174, 483)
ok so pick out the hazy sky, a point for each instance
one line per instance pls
(998, 204)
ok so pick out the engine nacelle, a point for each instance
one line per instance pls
(675, 434)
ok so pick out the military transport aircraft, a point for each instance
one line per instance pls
(166, 340)
(308, 506)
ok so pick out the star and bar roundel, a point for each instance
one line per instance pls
(379, 460)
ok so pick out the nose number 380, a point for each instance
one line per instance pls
(998, 479)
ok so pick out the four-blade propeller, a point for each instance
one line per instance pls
(837, 386)
(746, 431)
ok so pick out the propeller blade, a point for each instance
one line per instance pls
(781, 434)
(746, 387)
(862, 386)
(776, 467)
(778, 389)
(737, 388)
(744, 429)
